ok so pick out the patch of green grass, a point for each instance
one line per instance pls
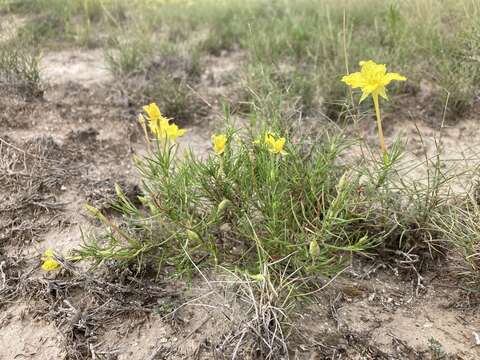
(127, 57)
(281, 94)
(318, 38)
(154, 69)
(176, 96)
(19, 70)
(461, 229)
(460, 72)
(436, 349)
(58, 22)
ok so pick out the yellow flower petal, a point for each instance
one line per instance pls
(152, 111)
(364, 95)
(276, 146)
(173, 132)
(394, 76)
(269, 139)
(50, 264)
(382, 92)
(219, 142)
(279, 145)
(158, 127)
(157, 123)
(273, 144)
(355, 80)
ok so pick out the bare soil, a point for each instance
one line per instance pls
(71, 146)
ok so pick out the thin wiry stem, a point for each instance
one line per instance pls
(379, 125)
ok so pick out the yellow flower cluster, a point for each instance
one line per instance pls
(162, 129)
(275, 145)
(159, 125)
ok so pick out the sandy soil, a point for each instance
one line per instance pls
(76, 142)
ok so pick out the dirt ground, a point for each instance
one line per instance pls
(70, 146)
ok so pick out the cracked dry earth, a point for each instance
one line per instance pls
(70, 147)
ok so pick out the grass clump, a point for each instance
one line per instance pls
(19, 70)
(126, 57)
(239, 208)
(261, 197)
(461, 228)
(148, 68)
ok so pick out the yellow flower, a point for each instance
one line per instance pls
(152, 111)
(266, 137)
(49, 261)
(219, 142)
(269, 137)
(157, 123)
(159, 127)
(275, 145)
(372, 79)
(173, 131)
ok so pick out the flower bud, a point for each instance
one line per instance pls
(314, 249)
(342, 182)
(118, 191)
(257, 277)
(192, 235)
(95, 213)
(224, 205)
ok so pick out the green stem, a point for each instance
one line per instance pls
(379, 125)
